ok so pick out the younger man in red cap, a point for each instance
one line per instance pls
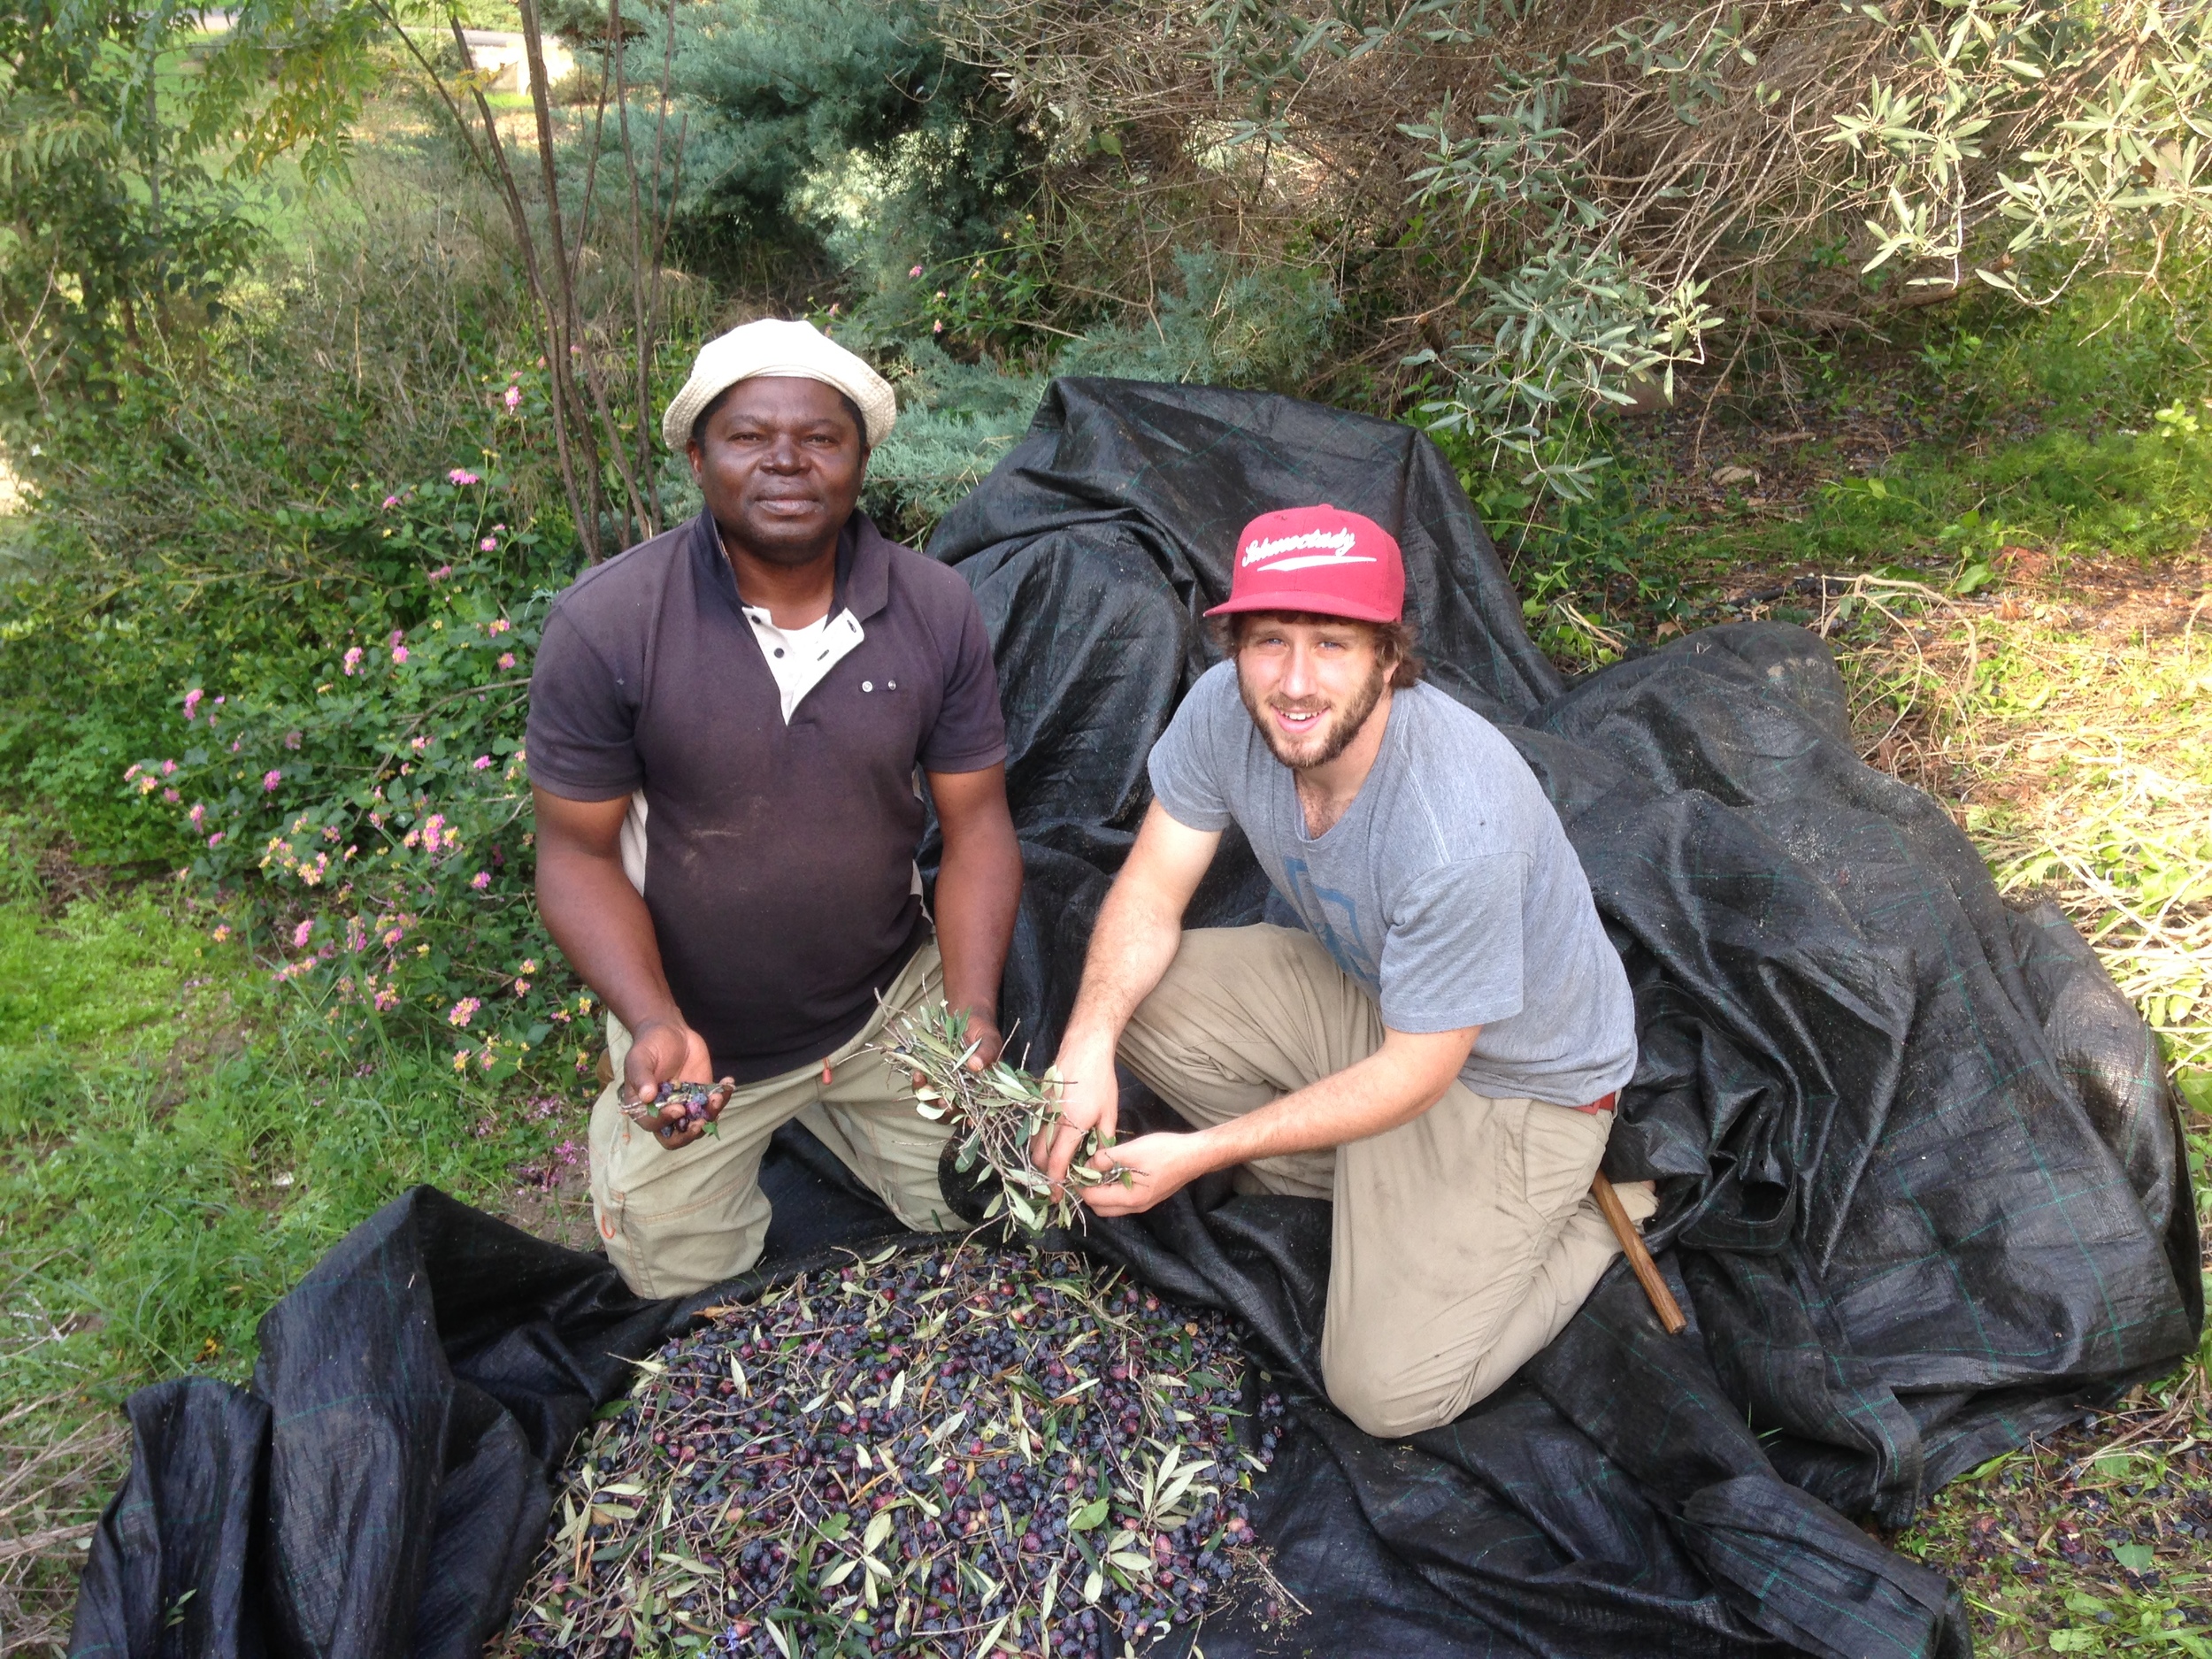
(1437, 1050)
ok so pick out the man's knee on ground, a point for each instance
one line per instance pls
(1375, 1397)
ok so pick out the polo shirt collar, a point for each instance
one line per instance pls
(866, 580)
(864, 566)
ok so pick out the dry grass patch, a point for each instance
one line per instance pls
(2068, 721)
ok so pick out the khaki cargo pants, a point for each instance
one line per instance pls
(1463, 1242)
(676, 1221)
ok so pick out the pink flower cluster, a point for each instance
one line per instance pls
(434, 837)
(462, 476)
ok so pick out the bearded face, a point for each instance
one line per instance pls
(1310, 686)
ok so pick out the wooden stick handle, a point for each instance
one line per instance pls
(1663, 1301)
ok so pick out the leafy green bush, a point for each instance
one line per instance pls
(125, 181)
(376, 824)
(1536, 212)
(838, 131)
(1231, 324)
(218, 522)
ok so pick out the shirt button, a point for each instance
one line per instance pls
(893, 684)
(867, 684)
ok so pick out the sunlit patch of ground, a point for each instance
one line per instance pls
(2065, 715)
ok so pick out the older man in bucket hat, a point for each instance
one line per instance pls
(730, 726)
(1436, 1047)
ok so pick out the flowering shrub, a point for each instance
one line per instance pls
(377, 827)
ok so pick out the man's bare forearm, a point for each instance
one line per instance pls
(978, 892)
(603, 927)
(1132, 946)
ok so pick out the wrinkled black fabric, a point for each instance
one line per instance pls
(1922, 1187)
(383, 1488)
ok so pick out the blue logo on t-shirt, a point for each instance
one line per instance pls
(1332, 918)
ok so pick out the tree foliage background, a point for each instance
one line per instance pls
(1532, 212)
(1506, 220)
(123, 184)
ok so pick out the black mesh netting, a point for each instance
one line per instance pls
(1923, 1193)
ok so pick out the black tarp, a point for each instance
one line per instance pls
(1923, 1193)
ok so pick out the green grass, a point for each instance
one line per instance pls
(100, 978)
(2081, 433)
(2098, 1541)
(2139, 494)
(175, 1152)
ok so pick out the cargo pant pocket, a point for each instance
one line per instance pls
(1561, 1149)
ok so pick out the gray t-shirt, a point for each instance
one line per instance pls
(1447, 889)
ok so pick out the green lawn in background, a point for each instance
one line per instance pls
(172, 1158)
(100, 978)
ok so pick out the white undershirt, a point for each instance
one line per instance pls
(798, 657)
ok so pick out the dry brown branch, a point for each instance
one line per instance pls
(601, 416)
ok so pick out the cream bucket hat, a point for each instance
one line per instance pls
(792, 350)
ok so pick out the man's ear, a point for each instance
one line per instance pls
(691, 448)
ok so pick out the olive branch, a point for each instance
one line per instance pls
(997, 1111)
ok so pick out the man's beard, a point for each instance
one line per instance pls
(1331, 739)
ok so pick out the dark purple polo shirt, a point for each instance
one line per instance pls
(778, 859)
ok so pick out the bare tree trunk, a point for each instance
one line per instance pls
(564, 263)
(589, 430)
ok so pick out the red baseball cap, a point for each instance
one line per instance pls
(1322, 559)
